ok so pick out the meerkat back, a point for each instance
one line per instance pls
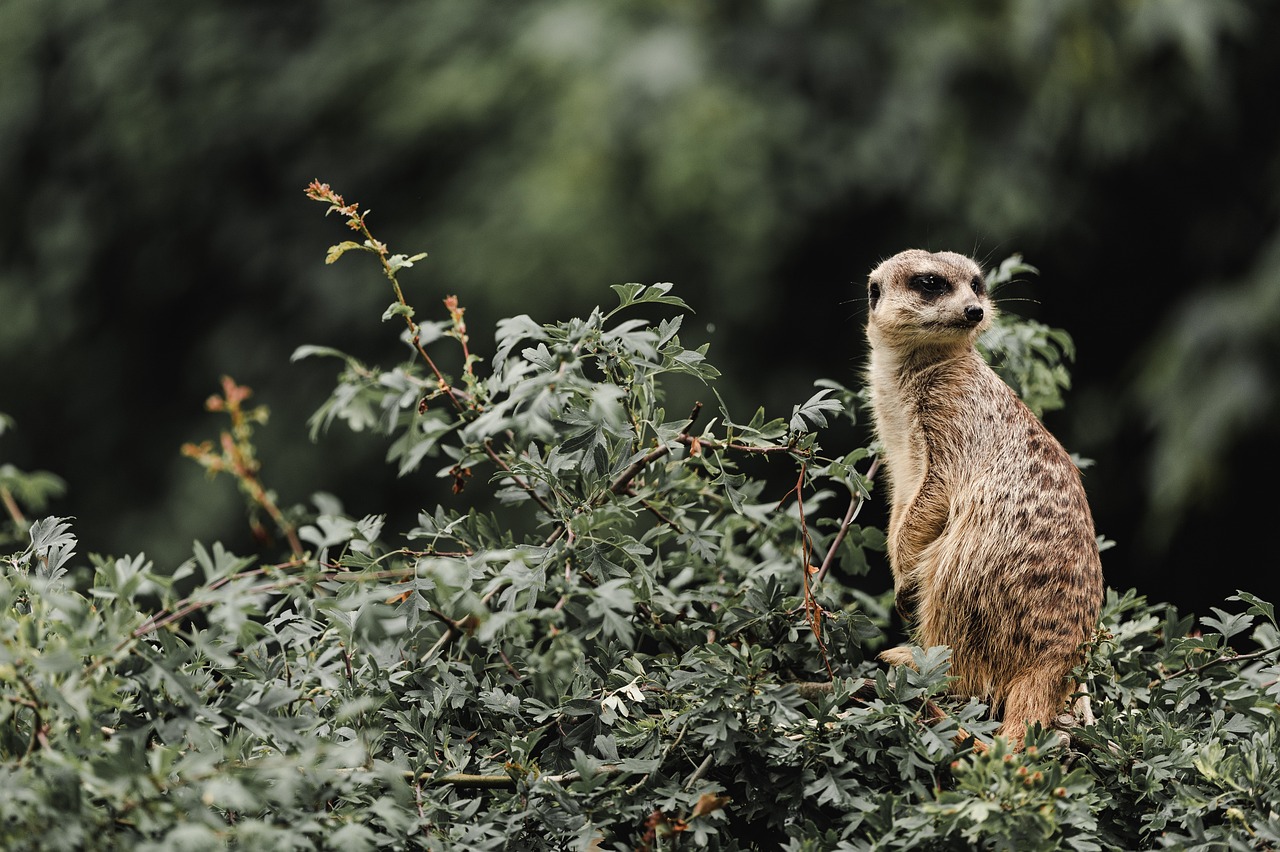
(991, 541)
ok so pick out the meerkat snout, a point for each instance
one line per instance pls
(974, 313)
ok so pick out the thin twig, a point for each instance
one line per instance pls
(11, 506)
(524, 486)
(623, 480)
(37, 723)
(709, 444)
(699, 772)
(855, 506)
(657, 513)
(1217, 661)
(666, 752)
(356, 221)
(449, 623)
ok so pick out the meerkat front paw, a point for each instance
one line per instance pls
(899, 656)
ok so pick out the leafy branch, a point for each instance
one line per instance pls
(391, 264)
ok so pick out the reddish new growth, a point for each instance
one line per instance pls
(236, 454)
(318, 191)
(459, 331)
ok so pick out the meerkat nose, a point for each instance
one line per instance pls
(973, 313)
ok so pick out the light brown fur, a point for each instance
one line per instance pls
(991, 541)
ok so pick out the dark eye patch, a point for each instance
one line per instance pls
(873, 293)
(979, 286)
(930, 284)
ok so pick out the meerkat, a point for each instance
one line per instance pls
(991, 542)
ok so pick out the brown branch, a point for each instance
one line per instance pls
(666, 752)
(21, 702)
(813, 609)
(38, 733)
(699, 772)
(11, 506)
(710, 444)
(623, 480)
(190, 604)
(1216, 661)
(657, 513)
(524, 486)
(855, 506)
(814, 690)
(556, 533)
(451, 625)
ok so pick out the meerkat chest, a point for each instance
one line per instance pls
(942, 418)
(898, 428)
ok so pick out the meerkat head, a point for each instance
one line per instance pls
(918, 298)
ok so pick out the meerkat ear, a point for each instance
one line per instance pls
(873, 294)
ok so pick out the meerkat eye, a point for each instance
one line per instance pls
(931, 285)
(979, 286)
(873, 293)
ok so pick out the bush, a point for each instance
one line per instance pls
(641, 630)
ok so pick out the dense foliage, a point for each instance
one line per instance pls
(657, 640)
(748, 151)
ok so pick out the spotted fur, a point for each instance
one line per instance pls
(991, 541)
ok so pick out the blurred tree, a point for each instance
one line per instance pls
(761, 155)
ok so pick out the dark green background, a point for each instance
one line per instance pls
(763, 156)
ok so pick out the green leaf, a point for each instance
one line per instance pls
(342, 248)
(312, 351)
(400, 261)
(1226, 623)
(397, 309)
(1257, 606)
(52, 546)
(638, 294)
(812, 413)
